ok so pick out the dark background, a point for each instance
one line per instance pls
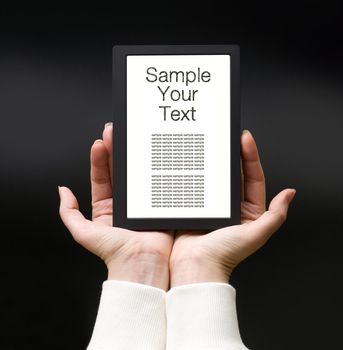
(55, 96)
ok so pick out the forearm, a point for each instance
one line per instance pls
(130, 316)
(189, 270)
(144, 268)
(203, 316)
(201, 307)
(131, 312)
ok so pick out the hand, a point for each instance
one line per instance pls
(199, 256)
(141, 257)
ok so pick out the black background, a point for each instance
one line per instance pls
(55, 96)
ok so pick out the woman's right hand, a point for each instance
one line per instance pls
(141, 257)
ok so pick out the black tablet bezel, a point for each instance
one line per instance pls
(120, 219)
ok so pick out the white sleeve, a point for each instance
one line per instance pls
(131, 316)
(202, 316)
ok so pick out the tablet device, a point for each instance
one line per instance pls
(176, 149)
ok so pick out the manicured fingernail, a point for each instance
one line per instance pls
(108, 124)
(245, 131)
(97, 141)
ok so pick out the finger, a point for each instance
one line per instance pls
(100, 174)
(242, 180)
(271, 220)
(107, 136)
(254, 182)
(76, 223)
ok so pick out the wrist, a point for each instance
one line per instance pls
(144, 268)
(191, 270)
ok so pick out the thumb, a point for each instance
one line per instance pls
(272, 219)
(72, 218)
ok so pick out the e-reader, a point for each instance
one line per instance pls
(176, 149)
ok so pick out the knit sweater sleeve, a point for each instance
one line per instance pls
(202, 316)
(130, 316)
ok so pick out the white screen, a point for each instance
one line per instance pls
(178, 136)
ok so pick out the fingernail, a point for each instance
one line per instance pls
(294, 191)
(97, 141)
(108, 124)
(245, 131)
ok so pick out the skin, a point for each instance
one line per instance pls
(166, 259)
